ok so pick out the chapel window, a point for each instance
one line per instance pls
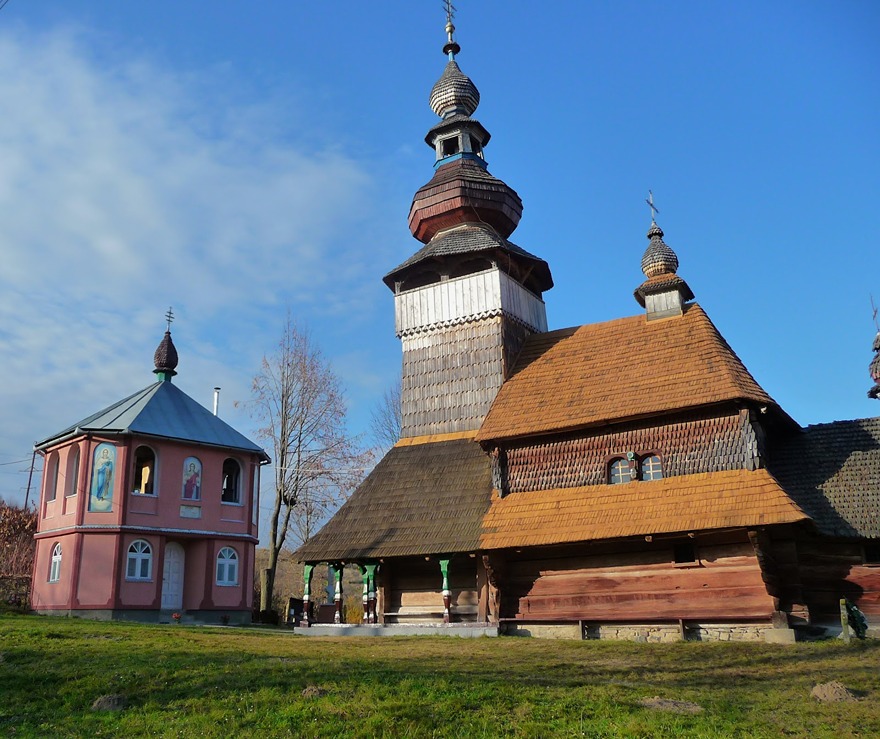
(619, 471)
(651, 468)
(52, 476)
(227, 567)
(144, 470)
(449, 146)
(72, 471)
(140, 561)
(55, 566)
(231, 479)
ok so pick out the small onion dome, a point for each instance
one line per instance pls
(454, 93)
(165, 357)
(658, 258)
(874, 369)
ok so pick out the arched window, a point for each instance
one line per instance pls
(651, 468)
(55, 567)
(52, 476)
(192, 479)
(231, 478)
(227, 567)
(72, 471)
(619, 471)
(144, 471)
(140, 561)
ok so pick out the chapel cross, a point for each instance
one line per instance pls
(450, 10)
(169, 317)
(650, 201)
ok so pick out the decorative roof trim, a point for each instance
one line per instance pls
(434, 438)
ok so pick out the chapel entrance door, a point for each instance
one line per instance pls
(172, 577)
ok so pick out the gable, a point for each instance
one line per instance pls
(622, 369)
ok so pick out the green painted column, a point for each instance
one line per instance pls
(372, 616)
(307, 594)
(365, 597)
(337, 593)
(447, 594)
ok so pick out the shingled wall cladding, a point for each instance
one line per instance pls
(694, 444)
(451, 375)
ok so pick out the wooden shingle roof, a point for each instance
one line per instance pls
(626, 368)
(712, 500)
(422, 498)
(833, 471)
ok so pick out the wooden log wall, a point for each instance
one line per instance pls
(415, 591)
(451, 375)
(639, 582)
(831, 570)
(697, 443)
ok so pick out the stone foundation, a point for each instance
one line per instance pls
(672, 632)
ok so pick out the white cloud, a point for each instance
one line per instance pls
(125, 188)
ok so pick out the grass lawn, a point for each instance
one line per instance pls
(187, 681)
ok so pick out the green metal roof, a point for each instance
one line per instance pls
(164, 411)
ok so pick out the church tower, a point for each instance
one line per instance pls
(466, 301)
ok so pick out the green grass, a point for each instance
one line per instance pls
(183, 681)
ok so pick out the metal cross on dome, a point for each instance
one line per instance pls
(169, 317)
(650, 201)
(449, 8)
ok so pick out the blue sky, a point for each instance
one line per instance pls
(235, 159)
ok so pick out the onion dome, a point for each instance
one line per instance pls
(454, 93)
(664, 292)
(658, 258)
(874, 369)
(165, 358)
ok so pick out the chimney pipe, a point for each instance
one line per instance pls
(216, 400)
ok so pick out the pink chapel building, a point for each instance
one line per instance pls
(148, 508)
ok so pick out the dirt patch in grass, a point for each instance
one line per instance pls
(668, 704)
(114, 702)
(833, 692)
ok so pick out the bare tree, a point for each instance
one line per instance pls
(385, 421)
(299, 402)
(18, 525)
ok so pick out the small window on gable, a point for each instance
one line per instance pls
(872, 553)
(227, 567)
(619, 471)
(72, 471)
(140, 561)
(449, 146)
(144, 471)
(231, 482)
(684, 553)
(55, 566)
(52, 476)
(651, 468)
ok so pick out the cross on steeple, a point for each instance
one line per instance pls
(169, 317)
(650, 201)
(450, 10)
(451, 48)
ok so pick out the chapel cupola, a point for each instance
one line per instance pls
(165, 356)
(874, 369)
(663, 293)
(467, 299)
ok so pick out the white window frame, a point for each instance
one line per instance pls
(227, 568)
(140, 554)
(55, 566)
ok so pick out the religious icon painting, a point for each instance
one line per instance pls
(192, 479)
(103, 466)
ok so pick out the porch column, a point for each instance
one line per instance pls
(372, 617)
(307, 594)
(336, 569)
(447, 595)
(365, 598)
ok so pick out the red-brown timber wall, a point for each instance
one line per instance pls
(831, 570)
(639, 582)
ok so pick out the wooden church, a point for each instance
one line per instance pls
(626, 479)
(148, 509)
